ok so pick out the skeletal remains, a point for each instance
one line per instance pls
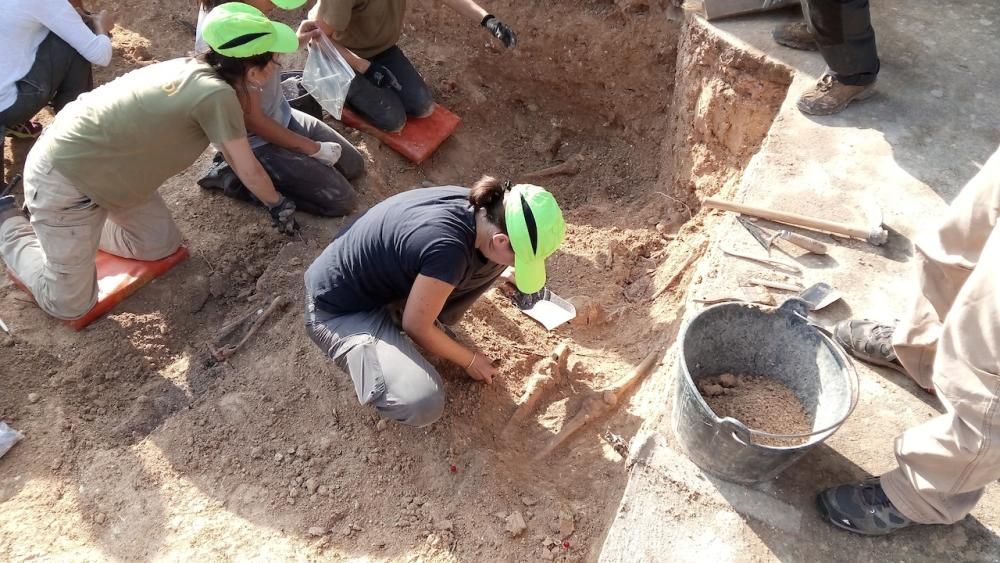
(550, 371)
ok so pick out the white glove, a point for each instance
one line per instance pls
(328, 153)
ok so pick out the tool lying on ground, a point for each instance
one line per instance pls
(222, 352)
(786, 286)
(819, 295)
(874, 234)
(600, 403)
(545, 307)
(420, 137)
(777, 265)
(117, 278)
(767, 239)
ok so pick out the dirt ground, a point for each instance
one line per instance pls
(139, 446)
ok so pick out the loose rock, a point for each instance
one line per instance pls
(33, 397)
(317, 531)
(516, 525)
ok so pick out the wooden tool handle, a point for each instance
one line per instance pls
(801, 241)
(789, 218)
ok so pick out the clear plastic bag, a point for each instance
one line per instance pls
(8, 437)
(327, 76)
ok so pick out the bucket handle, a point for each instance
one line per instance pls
(737, 430)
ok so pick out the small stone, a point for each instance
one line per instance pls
(57, 463)
(381, 425)
(317, 531)
(515, 524)
(311, 485)
(99, 518)
(727, 380)
(712, 390)
(33, 397)
(937, 93)
(278, 457)
(445, 525)
(295, 261)
(322, 490)
(256, 452)
(528, 501)
(433, 540)
(548, 555)
(566, 525)
(532, 108)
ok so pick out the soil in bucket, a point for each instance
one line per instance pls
(759, 402)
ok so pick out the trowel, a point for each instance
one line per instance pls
(545, 307)
(819, 295)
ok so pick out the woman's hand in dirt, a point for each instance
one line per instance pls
(482, 368)
(308, 30)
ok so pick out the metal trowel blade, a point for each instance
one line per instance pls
(819, 295)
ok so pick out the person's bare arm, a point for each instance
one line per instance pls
(467, 8)
(357, 63)
(424, 304)
(239, 155)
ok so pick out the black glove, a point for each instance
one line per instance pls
(500, 30)
(283, 216)
(382, 77)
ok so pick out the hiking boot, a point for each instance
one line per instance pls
(830, 96)
(27, 130)
(868, 341)
(795, 35)
(862, 509)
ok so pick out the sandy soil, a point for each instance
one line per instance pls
(139, 445)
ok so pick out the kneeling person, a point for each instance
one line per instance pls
(431, 253)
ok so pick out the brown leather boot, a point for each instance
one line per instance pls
(829, 96)
(795, 35)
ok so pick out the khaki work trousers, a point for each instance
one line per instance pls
(54, 255)
(951, 343)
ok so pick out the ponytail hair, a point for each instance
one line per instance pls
(488, 193)
(233, 69)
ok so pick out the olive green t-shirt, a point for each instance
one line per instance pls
(366, 27)
(120, 142)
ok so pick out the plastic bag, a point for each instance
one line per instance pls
(8, 437)
(327, 76)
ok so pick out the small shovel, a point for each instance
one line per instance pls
(819, 295)
(545, 307)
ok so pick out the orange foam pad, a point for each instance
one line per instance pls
(420, 137)
(117, 278)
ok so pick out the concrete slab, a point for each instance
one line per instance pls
(910, 150)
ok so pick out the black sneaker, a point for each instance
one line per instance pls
(862, 509)
(868, 341)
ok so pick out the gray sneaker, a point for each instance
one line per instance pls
(795, 35)
(868, 341)
(862, 509)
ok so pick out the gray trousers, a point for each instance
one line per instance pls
(387, 370)
(843, 31)
(313, 186)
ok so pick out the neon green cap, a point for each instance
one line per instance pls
(288, 4)
(235, 29)
(536, 229)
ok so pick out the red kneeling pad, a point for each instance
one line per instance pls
(420, 137)
(117, 278)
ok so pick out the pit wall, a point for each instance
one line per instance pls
(725, 100)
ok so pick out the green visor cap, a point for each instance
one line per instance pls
(238, 30)
(536, 229)
(288, 4)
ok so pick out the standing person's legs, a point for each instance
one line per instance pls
(351, 163)
(844, 34)
(144, 232)
(54, 254)
(415, 95)
(946, 258)
(387, 370)
(953, 340)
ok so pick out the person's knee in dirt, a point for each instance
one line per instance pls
(947, 343)
(387, 88)
(382, 288)
(841, 31)
(91, 182)
(271, 122)
(48, 48)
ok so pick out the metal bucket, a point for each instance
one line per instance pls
(780, 343)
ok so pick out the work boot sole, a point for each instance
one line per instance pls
(863, 95)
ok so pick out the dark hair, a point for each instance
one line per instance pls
(233, 69)
(207, 5)
(487, 193)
